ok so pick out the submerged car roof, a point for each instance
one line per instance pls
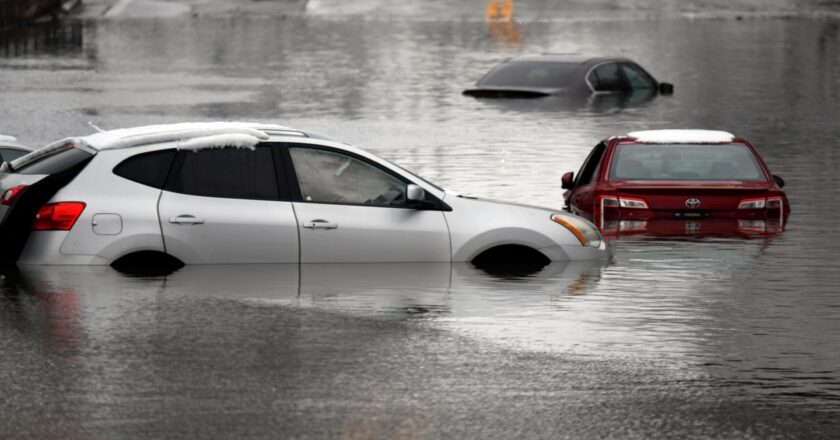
(565, 58)
(681, 137)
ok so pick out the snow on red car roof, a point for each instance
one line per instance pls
(682, 136)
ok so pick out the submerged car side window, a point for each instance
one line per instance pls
(587, 170)
(232, 173)
(638, 79)
(607, 78)
(330, 177)
(149, 168)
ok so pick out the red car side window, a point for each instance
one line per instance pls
(590, 165)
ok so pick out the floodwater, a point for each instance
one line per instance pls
(683, 338)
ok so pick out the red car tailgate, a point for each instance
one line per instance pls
(675, 196)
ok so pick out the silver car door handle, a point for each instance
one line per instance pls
(186, 220)
(320, 224)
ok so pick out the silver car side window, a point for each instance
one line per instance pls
(232, 173)
(329, 177)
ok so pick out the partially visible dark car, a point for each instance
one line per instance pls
(535, 76)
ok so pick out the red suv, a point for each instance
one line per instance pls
(677, 182)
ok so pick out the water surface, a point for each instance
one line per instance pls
(712, 337)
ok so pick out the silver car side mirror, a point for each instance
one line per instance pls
(415, 193)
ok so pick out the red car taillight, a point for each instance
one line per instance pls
(769, 203)
(608, 202)
(58, 216)
(776, 203)
(753, 203)
(631, 202)
(623, 202)
(11, 194)
(604, 202)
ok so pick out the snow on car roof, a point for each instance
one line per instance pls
(183, 132)
(682, 136)
(228, 140)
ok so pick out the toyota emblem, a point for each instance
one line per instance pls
(692, 203)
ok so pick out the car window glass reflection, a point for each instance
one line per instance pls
(590, 165)
(530, 74)
(329, 177)
(638, 79)
(685, 162)
(10, 154)
(149, 169)
(233, 173)
(607, 78)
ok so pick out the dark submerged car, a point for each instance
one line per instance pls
(535, 76)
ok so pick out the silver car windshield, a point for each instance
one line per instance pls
(530, 74)
(412, 174)
(685, 162)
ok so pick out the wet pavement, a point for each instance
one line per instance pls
(680, 338)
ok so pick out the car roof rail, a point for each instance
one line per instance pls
(285, 133)
(155, 134)
(143, 139)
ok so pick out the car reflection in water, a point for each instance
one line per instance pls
(408, 290)
(595, 104)
(694, 228)
(149, 344)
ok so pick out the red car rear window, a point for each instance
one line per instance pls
(685, 162)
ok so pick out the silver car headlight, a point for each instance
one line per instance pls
(586, 232)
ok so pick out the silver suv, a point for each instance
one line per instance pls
(206, 193)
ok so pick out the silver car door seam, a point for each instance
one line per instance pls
(160, 226)
(297, 223)
(280, 155)
(448, 233)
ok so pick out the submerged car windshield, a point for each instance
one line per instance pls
(533, 74)
(685, 162)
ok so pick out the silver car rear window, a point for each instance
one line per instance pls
(56, 162)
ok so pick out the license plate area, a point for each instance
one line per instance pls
(692, 214)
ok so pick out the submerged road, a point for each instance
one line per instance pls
(469, 9)
(158, 8)
(689, 337)
(256, 352)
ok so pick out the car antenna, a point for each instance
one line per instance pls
(95, 127)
